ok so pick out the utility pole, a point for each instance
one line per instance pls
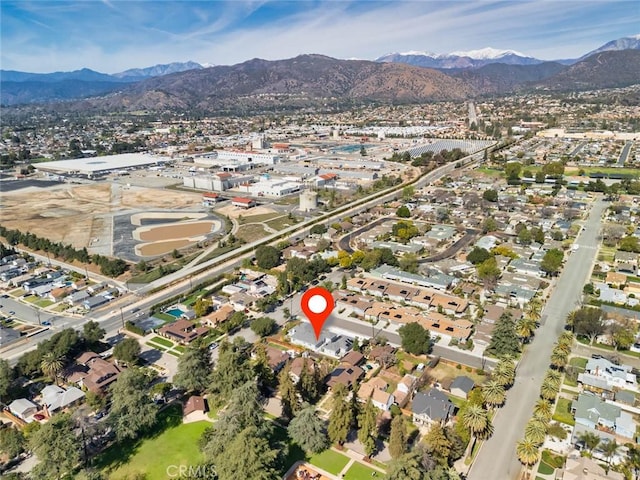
(122, 317)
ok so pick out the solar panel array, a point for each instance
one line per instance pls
(468, 146)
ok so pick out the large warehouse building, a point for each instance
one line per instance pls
(97, 166)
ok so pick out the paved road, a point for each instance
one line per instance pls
(497, 458)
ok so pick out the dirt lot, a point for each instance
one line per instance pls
(181, 230)
(74, 214)
(235, 212)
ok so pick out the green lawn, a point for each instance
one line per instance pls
(281, 223)
(554, 461)
(330, 461)
(61, 307)
(174, 443)
(175, 354)
(179, 348)
(358, 471)
(563, 412)
(157, 347)
(579, 362)
(31, 298)
(43, 302)
(164, 316)
(162, 341)
(545, 469)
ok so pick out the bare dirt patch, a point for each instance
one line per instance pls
(235, 212)
(160, 248)
(168, 232)
(140, 197)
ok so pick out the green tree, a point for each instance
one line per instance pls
(437, 444)
(308, 430)
(488, 272)
(12, 442)
(536, 430)
(341, 417)
(92, 332)
(493, 393)
(288, 394)
(310, 383)
(263, 326)
(552, 261)
(525, 328)
(6, 378)
(51, 365)
(128, 351)
(267, 257)
(504, 340)
(589, 440)
(524, 236)
(406, 467)
(403, 212)
(527, 452)
(512, 170)
(194, 370)
(248, 455)
(57, 446)
(96, 401)
(476, 420)
(367, 427)
(132, 411)
(416, 339)
(202, 307)
(409, 262)
(398, 437)
(232, 369)
(408, 192)
(478, 255)
(588, 322)
(490, 195)
(630, 244)
(489, 225)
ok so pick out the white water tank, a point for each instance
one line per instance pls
(308, 201)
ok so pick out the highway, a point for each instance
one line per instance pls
(497, 457)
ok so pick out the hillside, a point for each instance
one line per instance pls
(502, 78)
(609, 69)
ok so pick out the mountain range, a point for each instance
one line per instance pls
(311, 79)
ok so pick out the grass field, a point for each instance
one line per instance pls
(330, 461)
(154, 274)
(606, 254)
(61, 307)
(43, 302)
(605, 170)
(216, 252)
(563, 412)
(164, 316)
(264, 217)
(579, 362)
(156, 346)
(249, 233)
(490, 172)
(172, 443)
(282, 222)
(357, 471)
(162, 341)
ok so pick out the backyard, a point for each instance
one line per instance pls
(330, 461)
(563, 412)
(171, 443)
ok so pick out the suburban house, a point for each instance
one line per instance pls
(194, 409)
(602, 374)
(56, 398)
(585, 468)
(405, 389)
(276, 358)
(328, 343)
(375, 389)
(347, 375)
(593, 412)
(432, 406)
(93, 372)
(218, 316)
(183, 331)
(297, 366)
(24, 409)
(461, 386)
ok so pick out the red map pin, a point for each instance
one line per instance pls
(317, 304)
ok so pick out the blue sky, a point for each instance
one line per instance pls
(114, 35)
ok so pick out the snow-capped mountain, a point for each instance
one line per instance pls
(158, 70)
(460, 59)
(625, 43)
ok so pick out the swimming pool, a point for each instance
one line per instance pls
(351, 148)
(176, 312)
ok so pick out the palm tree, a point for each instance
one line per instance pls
(559, 359)
(51, 366)
(543, 409)
(493, 393)
(553, 376)
(590, 440)
(566, 337)
(525, 328)
(535, 430)
(476, 420)
(609, 448)
(549, 390)
(632, 461)
(534, 308)
(563, 347)
(504, 372)
(528, 453)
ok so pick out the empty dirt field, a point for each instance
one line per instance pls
(235, 212)
(75, 214)
(179, 230)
